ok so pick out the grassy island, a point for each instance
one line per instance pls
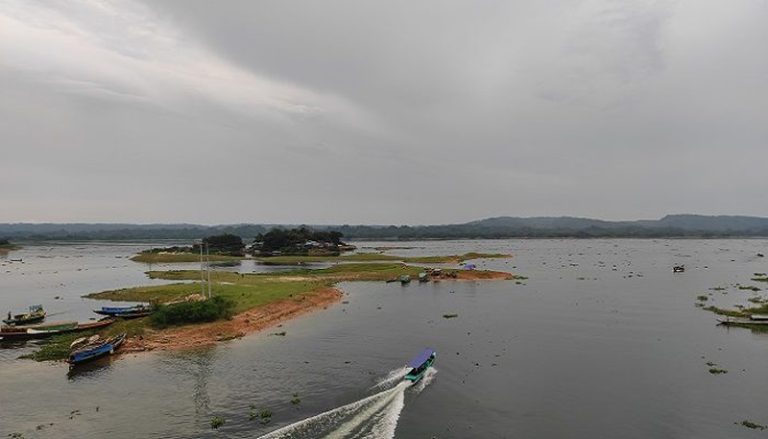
(6, 246)
(161, 257)
(253, 302)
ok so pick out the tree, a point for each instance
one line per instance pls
(226, 243)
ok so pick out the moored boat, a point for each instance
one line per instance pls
(420, 364)
(126, 312)
(753, 320)
(423, 277)
(36, 313)
(86, 349)
(18, 333)
(405, 279)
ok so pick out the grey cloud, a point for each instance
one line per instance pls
(391, 112)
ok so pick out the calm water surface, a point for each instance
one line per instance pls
(602, 340)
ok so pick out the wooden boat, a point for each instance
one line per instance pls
(19, 333)
(405, 279)
(35, 314)
(423, 277)
(126, 312)
(678, 269)
(753, 320)
(420, 364)
(86, 349)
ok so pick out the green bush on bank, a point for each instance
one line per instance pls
(210, 310)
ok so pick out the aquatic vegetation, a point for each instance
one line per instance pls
(265, 416)
(718, 289)
(717, 371)
(753, 425)
(760, 277)
(702, 298)
(749, 287)
(450, 316)
(281, 334)
(295, 400)
(216, 422)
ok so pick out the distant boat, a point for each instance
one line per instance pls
(423, 277)
(19, 333)
(126, 312)
(420, 364)
(405, 279)
(754, 319)
(678, 269)
(86, 349)
(35, 314)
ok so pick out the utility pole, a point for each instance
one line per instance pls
(208, 257)
(202, 278)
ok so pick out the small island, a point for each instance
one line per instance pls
(6, 245)
(185, 315)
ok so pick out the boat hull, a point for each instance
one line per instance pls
(92, 353)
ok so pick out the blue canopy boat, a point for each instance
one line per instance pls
(86, 349)
(420, 364)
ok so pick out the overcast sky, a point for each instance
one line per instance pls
(381, 112)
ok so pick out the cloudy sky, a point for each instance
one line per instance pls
(381, 112)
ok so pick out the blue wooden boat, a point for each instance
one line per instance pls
(420, 364)
(86, 349)
(125, 312)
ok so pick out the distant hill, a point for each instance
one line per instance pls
(498, 227)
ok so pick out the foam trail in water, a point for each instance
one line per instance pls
(429, 375)
(373, 417)
(394, 376)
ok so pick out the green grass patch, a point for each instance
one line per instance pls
(717, 371)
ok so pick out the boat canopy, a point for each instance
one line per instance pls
(421, 358)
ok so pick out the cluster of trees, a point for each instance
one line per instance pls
(295, 241)
(226, 244)
(4, 241)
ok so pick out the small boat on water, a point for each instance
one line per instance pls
(126, 312)
(36, 313)
(678, 269)
(405, 279)
(86, 349)
(754, 319)
(420, 364)
(19, 333)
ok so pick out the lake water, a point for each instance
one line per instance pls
(602, 340)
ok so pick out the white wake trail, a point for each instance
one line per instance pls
(373, 417)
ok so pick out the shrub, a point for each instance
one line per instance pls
(216, 308)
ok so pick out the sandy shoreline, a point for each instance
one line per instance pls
(192, 336)
(258, 319)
